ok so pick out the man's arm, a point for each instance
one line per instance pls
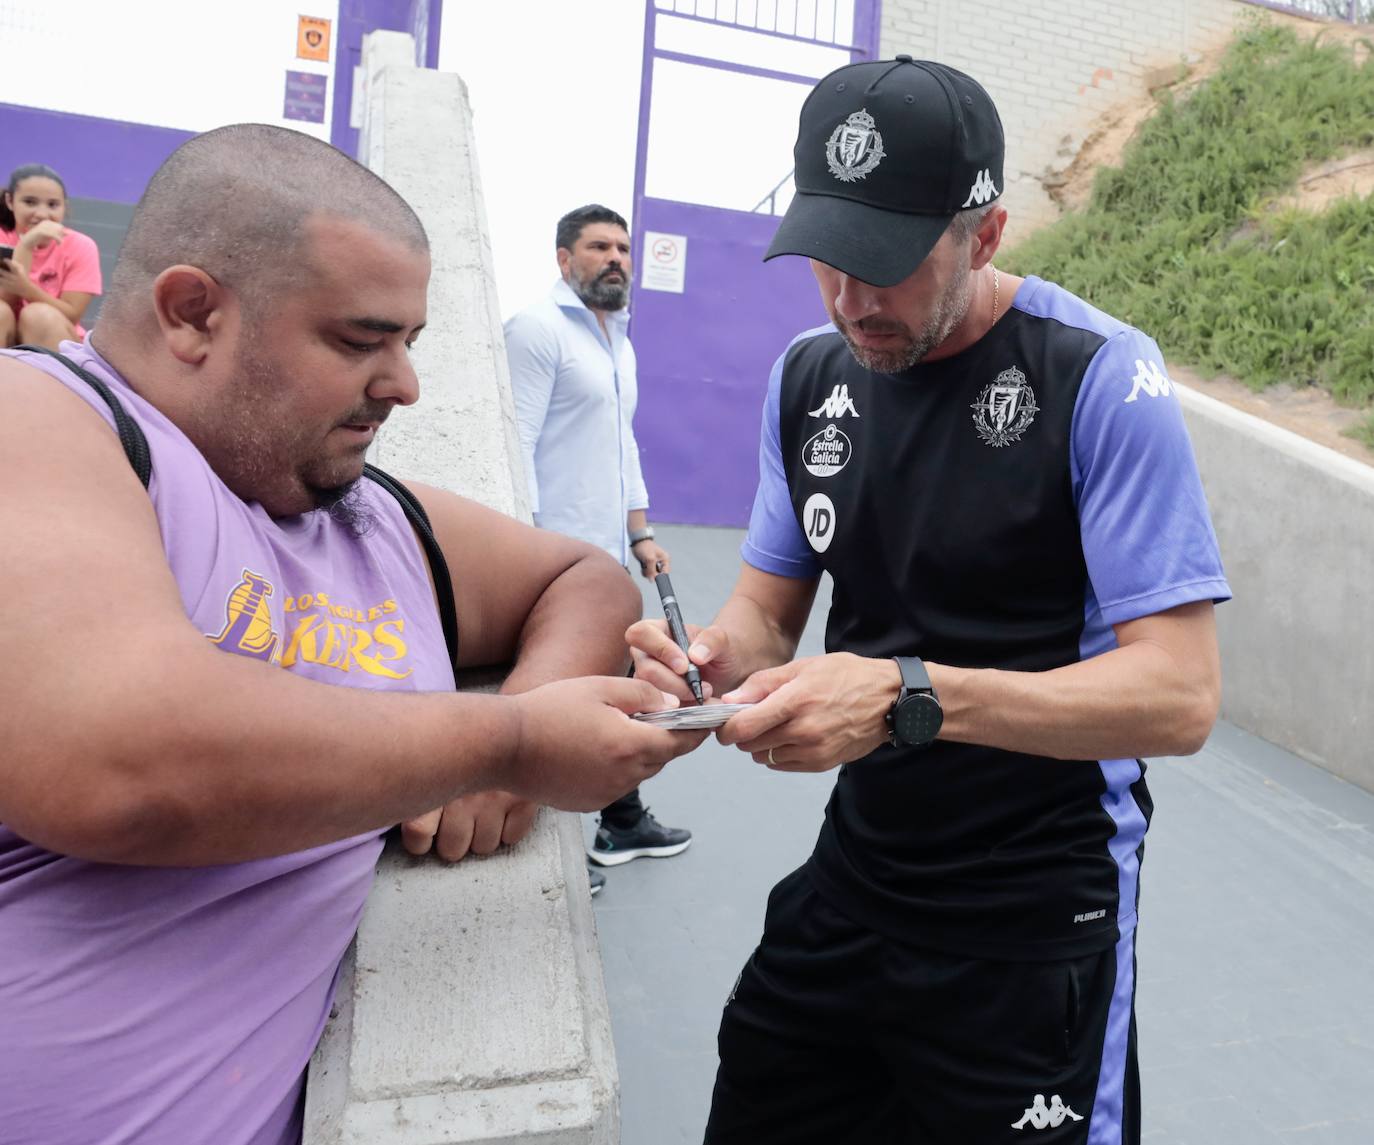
(653, 558)
(129, 738)
(532, 356)
(572, 627)
(1157, 693)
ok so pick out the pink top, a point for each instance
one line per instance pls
(72, 264)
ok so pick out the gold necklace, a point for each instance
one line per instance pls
(994, 296)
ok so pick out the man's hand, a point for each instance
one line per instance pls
(659, 660)
(579, 750)
(475, 824)
(813, 714)
(653, 558)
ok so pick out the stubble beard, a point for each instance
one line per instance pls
(949, 310)
(262, 457)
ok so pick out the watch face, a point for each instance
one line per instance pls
(917, 719)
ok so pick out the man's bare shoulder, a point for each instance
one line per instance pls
(41, 417)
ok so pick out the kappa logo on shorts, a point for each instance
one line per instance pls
(827, 453)
(1042, 1116)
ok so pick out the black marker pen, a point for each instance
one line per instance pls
(679, 631)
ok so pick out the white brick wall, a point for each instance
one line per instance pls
(1054, 68)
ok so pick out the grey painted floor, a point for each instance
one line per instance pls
(1256, 996)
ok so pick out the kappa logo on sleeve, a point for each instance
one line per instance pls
(1150, 380)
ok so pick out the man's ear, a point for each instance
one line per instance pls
(988, 237)
(190, 308)
(564, 260)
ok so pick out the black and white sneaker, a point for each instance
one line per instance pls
(595, 881)
(647, 838)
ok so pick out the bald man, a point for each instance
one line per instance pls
(219, 691)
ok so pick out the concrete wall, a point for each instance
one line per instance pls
(1296, 526)
(1054, 69)
(472, 1008)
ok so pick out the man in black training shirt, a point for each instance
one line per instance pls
(998, 479)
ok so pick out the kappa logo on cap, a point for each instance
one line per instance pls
(982, 191)
(855, 148)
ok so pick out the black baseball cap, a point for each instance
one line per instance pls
(887, 153)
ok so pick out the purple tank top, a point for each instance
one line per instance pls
(180, 1006)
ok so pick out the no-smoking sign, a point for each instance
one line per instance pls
(664, 263)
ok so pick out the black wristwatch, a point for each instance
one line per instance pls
(914, 719)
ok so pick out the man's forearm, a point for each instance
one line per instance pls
(758, 640)
(212, 759)
(577, 628)
(1132, 701)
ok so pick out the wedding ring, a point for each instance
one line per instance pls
(771, 760)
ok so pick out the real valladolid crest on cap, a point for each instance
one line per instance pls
(887, 153)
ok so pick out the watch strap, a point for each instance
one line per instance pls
(915, 677)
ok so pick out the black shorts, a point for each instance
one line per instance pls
(837, 1035)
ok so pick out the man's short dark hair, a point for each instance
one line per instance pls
(570, 225)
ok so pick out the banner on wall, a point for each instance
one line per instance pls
(664, 265)
(305, 97)
(312, 39)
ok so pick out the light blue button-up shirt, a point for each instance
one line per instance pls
(575, 396)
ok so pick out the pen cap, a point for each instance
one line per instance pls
(664, 586)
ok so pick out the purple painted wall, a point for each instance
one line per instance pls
(421, 18)
(705, 355)
(97, 158)
(704, 359)
(112, 160)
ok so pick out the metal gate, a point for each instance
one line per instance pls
(722, 82)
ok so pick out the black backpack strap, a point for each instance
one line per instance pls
(130, 436)
(443, 583)
(136, 450)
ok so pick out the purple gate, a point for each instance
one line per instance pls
(710, 317)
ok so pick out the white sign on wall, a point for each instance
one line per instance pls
(664, 264)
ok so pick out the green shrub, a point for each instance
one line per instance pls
(1176, 240)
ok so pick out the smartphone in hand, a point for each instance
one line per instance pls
(6, 253)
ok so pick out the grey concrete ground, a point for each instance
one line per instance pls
(1256, 996)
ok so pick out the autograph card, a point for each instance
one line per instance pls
(692, 716)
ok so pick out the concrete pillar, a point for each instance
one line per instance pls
(472, 1008)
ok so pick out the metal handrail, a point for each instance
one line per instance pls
(772, 197)
(774, 32)
(1341, 11)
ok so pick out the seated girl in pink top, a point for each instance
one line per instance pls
(48, 273)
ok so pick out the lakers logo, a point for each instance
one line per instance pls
(248, 627)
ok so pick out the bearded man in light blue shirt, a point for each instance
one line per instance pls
(572, 373)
